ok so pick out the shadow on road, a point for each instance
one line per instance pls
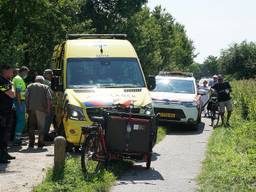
(140, 173)
(178, 129)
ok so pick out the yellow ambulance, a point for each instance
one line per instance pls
(93, 72)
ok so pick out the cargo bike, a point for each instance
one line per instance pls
(118, 135)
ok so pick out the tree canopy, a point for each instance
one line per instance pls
(30, 30)
(238, 61)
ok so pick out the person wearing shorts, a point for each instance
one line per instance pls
(223, 90)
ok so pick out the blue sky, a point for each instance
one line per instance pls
(213, 24)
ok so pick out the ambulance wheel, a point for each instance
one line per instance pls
(69, 147)
(61, 131)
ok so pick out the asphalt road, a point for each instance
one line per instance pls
(176, 163)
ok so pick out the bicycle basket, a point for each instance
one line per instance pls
(130, 133)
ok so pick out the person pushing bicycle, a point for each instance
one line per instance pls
(223, 90)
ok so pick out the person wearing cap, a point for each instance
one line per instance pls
(213, 81)
(6, 105)
(48, 74)
(38, 100)
(20, 88)
(223, 90)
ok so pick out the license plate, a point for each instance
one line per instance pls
(168, 115)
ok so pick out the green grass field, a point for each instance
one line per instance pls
(230, 163)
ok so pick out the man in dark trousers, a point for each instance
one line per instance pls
(223, 90)
(38, 100)
(6, 104)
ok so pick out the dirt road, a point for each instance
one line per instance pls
(28, 170)
(177, 162)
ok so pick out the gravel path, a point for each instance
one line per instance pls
(28, 170)
(177, 162)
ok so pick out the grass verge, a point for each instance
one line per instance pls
(161, 133)
(230, 163)
(73, 179)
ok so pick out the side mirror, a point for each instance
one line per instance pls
(56, 85)
(151, 82)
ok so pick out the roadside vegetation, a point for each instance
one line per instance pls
(73, 179)
(161, 133)
(230, 163)
(30, 29)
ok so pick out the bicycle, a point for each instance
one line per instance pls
(213, 107)
(118, 136)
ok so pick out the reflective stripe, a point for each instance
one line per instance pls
(4, 88)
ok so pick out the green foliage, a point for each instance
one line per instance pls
(239, 60)
(160, 42)
(210, 66)
(110, 16)
(161, 133)
(195, 68)
(144, 32)
(230, 163)
(236, 62)
(30, 30)
(73, 179)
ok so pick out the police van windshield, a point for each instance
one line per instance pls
(104, 72)
(175, 86)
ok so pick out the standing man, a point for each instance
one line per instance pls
(223, 90)
(48, 74)
(20, 88)
(38, 100)
(6, 104)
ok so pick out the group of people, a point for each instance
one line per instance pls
(17, 100)
(222, 89)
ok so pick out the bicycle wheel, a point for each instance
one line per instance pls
(148, 163)
(215, 118)
(89, 148)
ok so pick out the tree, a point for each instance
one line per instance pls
(32, 28)
(239, 60)
(183, 51)
(195, 68)
(210, 66)
(110, 16)
(145, 33)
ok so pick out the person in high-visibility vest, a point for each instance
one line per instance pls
(20, 90)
